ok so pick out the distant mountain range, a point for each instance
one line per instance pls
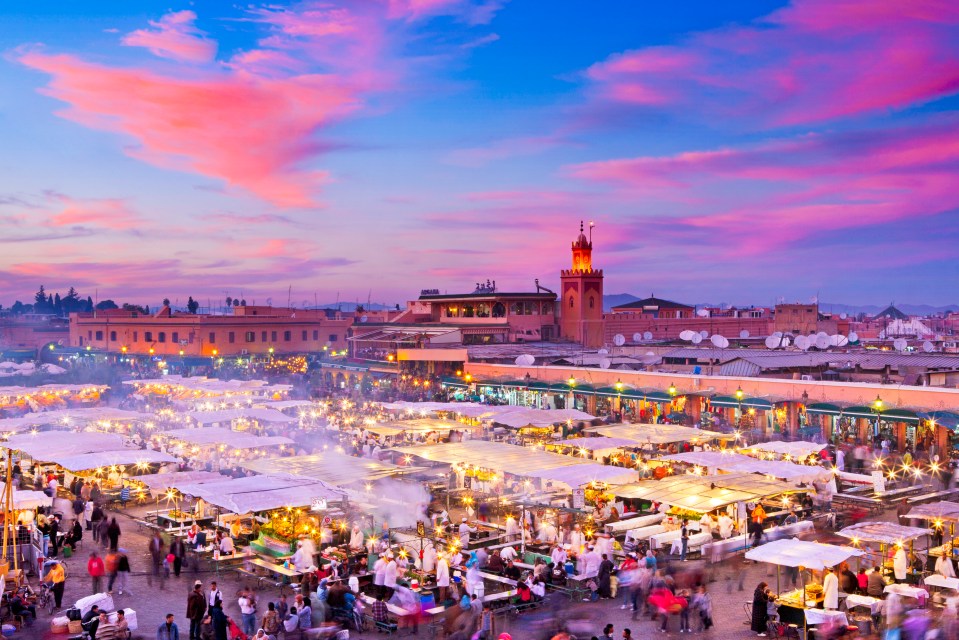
(618, 299)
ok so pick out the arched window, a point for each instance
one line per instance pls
(571, 302)
(592, 302)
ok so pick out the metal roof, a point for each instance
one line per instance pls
(768, 359)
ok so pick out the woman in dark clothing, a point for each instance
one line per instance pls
(760, 616)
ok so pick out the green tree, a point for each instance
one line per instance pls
(40, 300)
(103, 305)
(192, 305)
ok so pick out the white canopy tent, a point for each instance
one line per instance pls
(261, 493)
(600, 445)
(32, 500)
(102, 459)
(704, 493)
(882, 532)
(943, 511)
(737, 462)
(579, 475)
(801, 553)
(72, 417)
(797, 449)
(283, 404)
(242, 413)
(157, 482)
(333, 468)
(656, 434)
(222, 436)
(41, 446)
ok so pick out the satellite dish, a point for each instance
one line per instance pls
(853, 336)
(928, 347)
(822, 342)
(841, 341)
(604, 363)
(843, 316)
(822, 334)
(637, 337)
(619, 340)
(719, 341)
(834, 340)
(525, 360)
(899, 344)
(777, 334)
(802, 342)
(703, 334)
(647, 335)
(772, 342)
(744, 334)
(363, 318)
(696, 339)
(686, 335)
(603, 352)
(702, 313)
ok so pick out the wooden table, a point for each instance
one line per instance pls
(278, 569)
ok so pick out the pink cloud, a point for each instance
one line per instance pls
(252, 132)
(502, 149)
(468, 10)
(114, 214)
(759, 199)
(174, 36)
(813, 61)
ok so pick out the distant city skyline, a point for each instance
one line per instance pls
(728, 152)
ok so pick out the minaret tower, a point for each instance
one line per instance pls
(581, 318)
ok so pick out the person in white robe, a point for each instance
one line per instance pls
(726, 525)
(465, 531)
(577, 539)
(900, 564)
(589, 563)
(944, 567)
(830, 590)
(547, 532)
(429, 558)
(442, 576)
(512, 529)
(356, 537)
(558, 555)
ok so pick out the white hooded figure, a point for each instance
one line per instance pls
(547, 532)
(442, 572)
(725, 526)
(429, 558)
(474, 582)
(577, 539)
(379, 571)
(558, 555)
(390, 573)
(830, 590)
(512, 530)
(900, 565)
(299, 559)
(356, 537)
(465, 531)
(589, 563)
(944, 567)
(309, 549)
(604, 545)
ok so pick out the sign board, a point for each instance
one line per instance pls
(878, 482)
(420, 528)
(318, 504)
(579, 498)
(327, 521)
(467, 482)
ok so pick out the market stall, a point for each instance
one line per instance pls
(938, 515)
(331, 467)
(804, 606)
(731, 462)
(596, 447)
(657, 438)
(887, 535)
(798, 450)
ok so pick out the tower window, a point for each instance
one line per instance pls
(571, 302)
(592, 302)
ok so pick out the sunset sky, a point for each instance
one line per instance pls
(728, 151)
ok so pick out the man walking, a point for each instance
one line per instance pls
(168, 629)
(195, 609)
(156, 556)
(178, 551)
(248, 612)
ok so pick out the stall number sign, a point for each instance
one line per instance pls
(878, 482)
(579, 498)
(420, 528)
(318, 504)
(327, 521)
(468, 482)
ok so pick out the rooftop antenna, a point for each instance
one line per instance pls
(591, 225)
(289, 297)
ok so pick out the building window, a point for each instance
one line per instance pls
(161, 337)
(113, 336)
(135, 336)
(273, 336)
(176, 337)
(89, 335)
(231, 337)
(499, 310)
(304, 335)
(592, 302)
(316, 335)
(263, 336)
(99, 335)
(287, 336)
(212, 338)
(333, 337)
(148, 336)
(571, 302)
(251, 336)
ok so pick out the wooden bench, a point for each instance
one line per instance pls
(929, 497)
(389, 627)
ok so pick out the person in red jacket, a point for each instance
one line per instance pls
(96, 570)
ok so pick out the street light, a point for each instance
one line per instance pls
(571, 381)
(619, 386)
(739, 401)
(672, 390)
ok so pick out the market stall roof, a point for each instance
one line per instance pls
(98, 459)
(261, 493)
(883, 532)
(221, 435)
(331, 467)
(70, 417)
(498, 456)
(737, 462)
(249, 413)
(283, 404)
(201, 385)
(31, 500)
(946, 511)
(164, 481)
(704, 493)
(658, 433)
(578, 475)
(425, 425)
(797, 449)
(802, 553)
(597, 443)
(6, 391)
(41, 446)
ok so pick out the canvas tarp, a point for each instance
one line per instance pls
(801, 553)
